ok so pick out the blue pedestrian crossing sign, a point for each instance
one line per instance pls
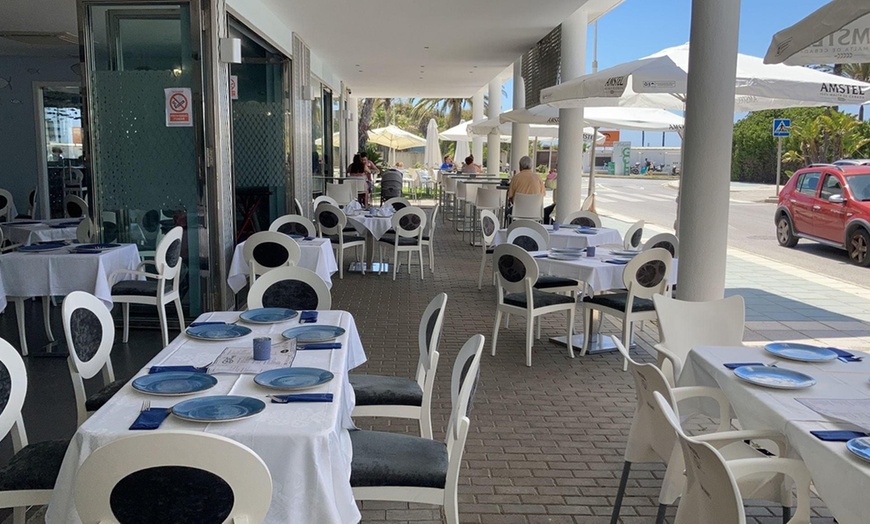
(781, 127)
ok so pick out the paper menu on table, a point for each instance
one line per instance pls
(240, 360)
(853, 411)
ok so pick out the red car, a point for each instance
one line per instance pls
(829, 204)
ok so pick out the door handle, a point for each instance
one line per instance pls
(816, 208)
(792, 200)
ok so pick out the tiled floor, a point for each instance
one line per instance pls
(546, 442)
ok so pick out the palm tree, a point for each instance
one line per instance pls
(450, 107)
(858, 72)
(366, 111)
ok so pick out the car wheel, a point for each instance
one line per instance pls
(859, 247)
(784, 234)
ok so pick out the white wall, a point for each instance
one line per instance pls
(18, 139)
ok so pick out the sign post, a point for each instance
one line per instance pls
(781, 129)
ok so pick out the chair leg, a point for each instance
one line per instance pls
(538, 330)
(495, 330)
(340, 261)
(507, 320)
(409, 263)
(623, 482)
(395, 262)
(125, 309)
(19, 317)
(626, 340)
(482, 267)
(19, 515)
(587, 330)
(180, 313)
(660, 516)
(420, 257)
(530, 326)
(164, 329)
(46, 317)
(570, 339)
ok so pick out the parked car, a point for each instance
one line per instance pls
(853, 162)
(828, 204)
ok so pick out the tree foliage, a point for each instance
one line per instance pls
(826, 138)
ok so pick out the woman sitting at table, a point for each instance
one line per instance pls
(358, 169)
(470, 167)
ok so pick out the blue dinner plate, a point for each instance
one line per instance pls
(801, 352)
(268, 315)
(219, 408)
(293, 379)
(36, 248)
(860, 447)
(777, 378)
(586, 231)
(294, 236)
(564, 256)
(568, 250)
(218, 331)
(171, 383)
(313, 333)
(22, 222)
(625, 252)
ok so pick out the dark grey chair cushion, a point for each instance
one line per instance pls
(393, 459)
(99, 399)
(403, 241)
(270, 254)
(541, 298)
(347, 238)
(5, 386)
(293, 228)
(380, 390)
(142, 288)
(34, 467)
(526, 242)
(173, 253)
(171, 494)
(293, 294)
(551, 282)
(87, 333)
(618, 301)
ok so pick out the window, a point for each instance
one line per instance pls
(831, 187)
(808, 183)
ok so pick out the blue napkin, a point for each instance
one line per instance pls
(585, 232)
(308, 238)
(617, 262)
(837, 435)
(322, 345)
(845, 356)
(164, 369)
(151, 418)
(542, 255)
(308, 317)
(302, 397)
(735, 365)
(207, 323)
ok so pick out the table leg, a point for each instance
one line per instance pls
(46, 317)
(598, 344)
(19, 316)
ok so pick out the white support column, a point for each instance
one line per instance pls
(569, 196)
(477, 117)
(706, 171)
(352, 128)
(519, 132)
(493, 140)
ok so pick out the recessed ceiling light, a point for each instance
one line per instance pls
(425, 47)
(475, 67)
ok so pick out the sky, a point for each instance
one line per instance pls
(637, 28)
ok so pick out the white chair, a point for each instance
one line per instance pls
(409, 223)
(267, 250)
(397, 397)
(667, 241)
(324, 199)
(342, 193)
(359, 186)
(331, 224)
(297, 207)
(529, 207)
(428, 240)
(489, 227)
(290, 287)
(74, 183)
(529, 235)
(459, 203)
(588, 203)
(486, 199)
(517, 273)
(467, 200)
(427, 179)
(32, 479)
(6, 206)
(152, 290)
(644, 276)
(85, 231)
(4, 246)
(583, 218)
(294, 225)
(109, 226)
(651, 439)
(396, 467)
(75, 207)
(685, 325)
(412, 180)
(398, 203)
(200, 477)
(634, 236)
(90, 333)
(715, 486)
(448, 194)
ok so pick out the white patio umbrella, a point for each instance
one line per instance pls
(432, 156)
(462, 131)
(659, 80)
(535, 130)
(395, 138)
(462, 151)
(458, 134)
(836, 33)
(638, 118)
(336, 140)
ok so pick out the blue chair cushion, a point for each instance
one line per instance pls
(393, 459)
(99, 399)
(551, 282)
(142, 288)
(618, 302)
(34, 467)
(541, 298)
(380, 390)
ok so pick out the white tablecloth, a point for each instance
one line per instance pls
(377, 226)
(840, 478)
(315, 255)
(305, 445)
(27, 234)
(568, 237)
(59, 272)
(598, 274)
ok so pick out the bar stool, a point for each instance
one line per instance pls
(458, 200)
(448, 194)
(469, 211)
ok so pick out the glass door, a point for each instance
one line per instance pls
(59, 110)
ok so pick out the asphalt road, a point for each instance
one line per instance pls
(751, 226)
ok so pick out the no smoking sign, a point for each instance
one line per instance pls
(178, 108)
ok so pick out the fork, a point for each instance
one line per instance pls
(146, 405)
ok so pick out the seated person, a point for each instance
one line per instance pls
(470, 167)
(526, 181)
(358, 169)
(448, 164)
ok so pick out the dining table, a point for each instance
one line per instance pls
(306, 445)
(572, 237)
(315, 254)
(26, 232)
(59, 272)
(373, 227)
(839, 477)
